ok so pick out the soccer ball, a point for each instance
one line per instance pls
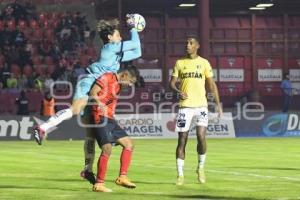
(138, 21)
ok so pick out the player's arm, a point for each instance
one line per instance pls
(131, 49)
(96, 88)
(214, 90)
(174, 87)
(128, 45)
(173, 82)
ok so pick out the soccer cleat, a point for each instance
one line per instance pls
(39, 134)
(201, 175)
(100, 187)
(180, 180)
(125, 182)
(89, 176)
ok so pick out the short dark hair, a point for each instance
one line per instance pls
(134, 72)
(195, 37)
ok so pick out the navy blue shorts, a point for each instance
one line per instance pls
(108, 131)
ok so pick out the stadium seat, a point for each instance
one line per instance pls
(39, 69)
(11, 24)
(269, 89)
(231, 89)
(269, 62)
(42, 17)
(50, 69)
(35, 99)
(154, 22)
(91, 51)
(293, 63)
(2, 60)
(27, 32)
(84, 59)
(27, 70)
(226, 22)
(213, 61)
(49, 35)
(48, 60)
(15, 69)
(55, 23)
(53, 15)
(232, 61)
(46, 24)
(36, 60)
(37, 34)
(33, 24)
(1, 25)
(22, 25)
(7, 102)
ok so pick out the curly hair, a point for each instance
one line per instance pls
(106, 27)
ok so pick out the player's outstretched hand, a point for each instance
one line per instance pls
(130, 20)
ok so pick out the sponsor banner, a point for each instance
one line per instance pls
(269, 75)
(20, 128)
(163, 125)
(136, 125)
(271, 124)
(231, 75)
(294, 74)
(151, 75)
(296, 88)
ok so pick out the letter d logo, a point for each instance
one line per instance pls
(275, 125)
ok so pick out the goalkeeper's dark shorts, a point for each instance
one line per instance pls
(108, 131)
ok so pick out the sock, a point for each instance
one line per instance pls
(180, 165)
(201, 161)
(102, 166)
(125, 161)
(89, 153)
(57, 119)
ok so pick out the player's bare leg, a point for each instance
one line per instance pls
(201, 149)
(180, 156)
(125, 160)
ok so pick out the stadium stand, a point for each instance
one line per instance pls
(37, 44)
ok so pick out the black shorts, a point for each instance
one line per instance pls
(108, 132)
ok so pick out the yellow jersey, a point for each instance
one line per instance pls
(192, 74)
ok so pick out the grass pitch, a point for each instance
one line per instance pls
(236, 169)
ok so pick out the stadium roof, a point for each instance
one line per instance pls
(217, 7)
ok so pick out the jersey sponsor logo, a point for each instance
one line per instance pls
(203, 114)
(190, 75)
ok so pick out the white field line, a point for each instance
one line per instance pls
(292, 179)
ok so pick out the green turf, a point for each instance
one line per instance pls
(236, 169)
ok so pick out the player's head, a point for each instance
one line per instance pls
(192, 45)
(48, 95)
(128, 75)
(108, 31)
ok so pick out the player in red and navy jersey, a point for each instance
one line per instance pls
(104, 93)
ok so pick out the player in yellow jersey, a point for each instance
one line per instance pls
(193, 73)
